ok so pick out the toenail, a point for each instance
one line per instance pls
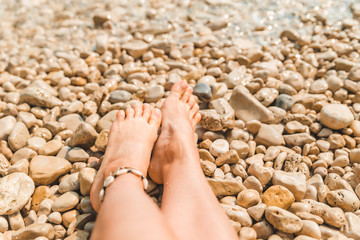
(183, 84)
(157, 112)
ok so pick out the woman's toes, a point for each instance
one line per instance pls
(137, 111)
(120, 115)
(179, 88)
(130, 112)
(196, 119)
(146, 111)
(186, 96)
(155, 117)
(191, 101)
(194, 110)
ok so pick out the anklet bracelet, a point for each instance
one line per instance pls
(118, 172)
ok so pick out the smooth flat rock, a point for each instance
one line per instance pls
(44, 170)
(18, 136)
(224, 187)
(15, 191)
(71, 121)
(269, 136)
(336, 116)
(39, 97)
(33, 231)
(247, 107)
(7, 124)
(136, 48)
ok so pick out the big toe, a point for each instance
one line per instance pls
(179, 88)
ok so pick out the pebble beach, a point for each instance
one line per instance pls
(278, 84)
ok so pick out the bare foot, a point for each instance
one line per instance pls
(180, 116)
(131, 141)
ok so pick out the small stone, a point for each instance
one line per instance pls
(354, 73)
(294, 127)
(18, 136)
(84, 136)
(225, 187)
(51, 148)
(263, 174)
(4, 225)
(71, 121)
(248, 198)
(236, 77)
(284, 101)
(211, 120)
(203, 92)
(16, 189)
(336, 116)
(218, 147)
(16, 221)
(269, 136)
(278, 196)
(283, 220)
(298, 139)
(355, 155)
(119, 96)
(7, 123)
(33, 231)
(136, 48)
(247, 107)
(229, 157)
(293, 181)
(106, 121)
(350, 229)
(257, 211)
(69, 183)
(55, 218)
(266, 96)
(100, 18)
(69, 217)
(66, 202)
(46, 169)
(154, 93)
(346, 200)
(37, 96)
(318, 86)
(86, 178)
(336, 141)
(41, 193)
(102, 140)
(77, 154)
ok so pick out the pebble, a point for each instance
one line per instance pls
(119, 96)
(106, 121)
(39, 97)
(248, 198)
(86, 178)
(345, 199)
(7, 123)
(284, 101)
(247, 107)
(65, 202)
(222, 187)
(77, 154)
(336, 116)
(84, 136)
(219, 147)
(293, 181)
(69, 183)
(203, 92)
(269, 136)
(18, 136)
(33, 231)
(47, 169)
(283, 220)
(278, 196)
(16, 190)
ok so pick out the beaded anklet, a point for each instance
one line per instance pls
(118, 172)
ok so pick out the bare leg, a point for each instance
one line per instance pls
(189, 205)
(127, 211)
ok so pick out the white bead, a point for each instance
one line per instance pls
(108, 181)
(120, 172)
(102, 194)
(136, 172)
(146, 183)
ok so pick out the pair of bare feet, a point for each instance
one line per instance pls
(133, 135)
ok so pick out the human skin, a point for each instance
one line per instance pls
(189, 209)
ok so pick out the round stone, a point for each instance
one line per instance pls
(15, 189)
(203, 92)
(284, 101)
(336, 116)
(283, 220)
(248, 198)
(218, 147)
(278, 196)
